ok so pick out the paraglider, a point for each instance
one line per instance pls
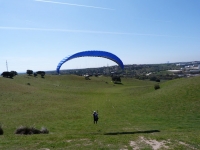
(92, 53)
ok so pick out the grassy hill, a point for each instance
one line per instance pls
(132, 114)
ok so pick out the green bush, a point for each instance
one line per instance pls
(26, 130)
(1, 130)
(44, 130)
(30, 130)
(157, 86)
(157, 80)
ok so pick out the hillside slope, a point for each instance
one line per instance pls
(131, 111)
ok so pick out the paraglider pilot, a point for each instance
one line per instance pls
(95, 116)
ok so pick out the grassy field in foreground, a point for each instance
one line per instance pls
(132, 114)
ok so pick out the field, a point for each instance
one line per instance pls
(132, 115)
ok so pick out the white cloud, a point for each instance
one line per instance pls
(61, 3)
(89, 31)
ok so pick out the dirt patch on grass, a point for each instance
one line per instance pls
(154, 144)
(187, 145)
(83, 142)
(134, 145)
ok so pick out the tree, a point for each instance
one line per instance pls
(42, 73)
(7, 74)
(156, 86)
(157, 80)
(116, 79)
(35, 74)
(29, 72)
(153, 78)
(14, 73)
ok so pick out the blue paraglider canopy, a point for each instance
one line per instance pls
(92, 53)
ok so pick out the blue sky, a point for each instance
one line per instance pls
(37, 34)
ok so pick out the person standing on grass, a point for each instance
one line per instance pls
(95, 116)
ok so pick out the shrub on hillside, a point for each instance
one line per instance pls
(157, 80)
(44, 130)
(14, 73)
(35, 74)
(26, 130)
(30, 130)
(141, 78)
(116, 79)
(87, 78)
(7, 74)
(1, 130)
(42, 73)
(29, 72)
(157, 86)
(154, 78)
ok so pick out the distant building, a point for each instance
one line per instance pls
(193, 67)
(175, 71)
(180, 64)
(196, 67)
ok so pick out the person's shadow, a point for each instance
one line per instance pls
(135, 132)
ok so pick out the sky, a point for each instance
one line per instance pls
(38, 34)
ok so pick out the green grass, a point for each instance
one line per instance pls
(127, 112)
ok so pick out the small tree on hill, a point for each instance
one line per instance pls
(156, 86)
(29, 72)
(87, 78)
(157, 80)
(7, 74)
(35, 74)
(14, 73)
(153, 78)
(42, 73)
(116, 79)
(24, 130)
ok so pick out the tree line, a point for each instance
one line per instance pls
(30, 72)
(11, 74)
